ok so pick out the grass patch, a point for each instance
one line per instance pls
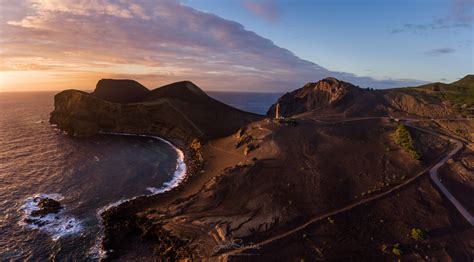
(331, 221)
(460, 94)
(396, 250)
(418, 234)
(403, 138)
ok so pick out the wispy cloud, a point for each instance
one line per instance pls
(266, 9)
(436, 24)
(440, 51)
(460, 17)
(156, 42)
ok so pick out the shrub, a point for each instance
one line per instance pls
(249, 148)
(418, 234)
(403, 138)
(330, 220)
(396, 250)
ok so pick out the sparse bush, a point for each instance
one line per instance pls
(249, 148)
(396, 250)
(403, 138)
(418, 234)
(330, 220)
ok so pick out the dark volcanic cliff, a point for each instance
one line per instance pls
(120, 91)
(178, 111)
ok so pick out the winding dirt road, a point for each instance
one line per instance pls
(433, 170)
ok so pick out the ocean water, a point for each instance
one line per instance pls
(85, 175)
(251, 102)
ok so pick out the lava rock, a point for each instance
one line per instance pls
(47, 206)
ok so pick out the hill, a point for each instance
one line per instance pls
(467, 81)
(324, 94)
(331, 97)
(178, 111)
(120, 91)
(459, 95)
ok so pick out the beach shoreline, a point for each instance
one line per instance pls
(179, 176)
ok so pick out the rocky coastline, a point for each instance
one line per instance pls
(121, 222)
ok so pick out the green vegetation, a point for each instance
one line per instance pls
(418, 234)
(460, 93)
(467, 81)
(330, 220)
(396, 250)
(403, 138)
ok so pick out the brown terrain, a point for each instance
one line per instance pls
(328, 182)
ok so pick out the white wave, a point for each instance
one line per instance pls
(178, 176)
(56, 225)
(96, 252)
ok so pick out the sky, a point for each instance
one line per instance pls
(234, 45)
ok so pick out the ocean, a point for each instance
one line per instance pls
(85, 175)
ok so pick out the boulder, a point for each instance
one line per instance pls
(47, 206)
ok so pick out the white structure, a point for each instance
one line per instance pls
(277, 112)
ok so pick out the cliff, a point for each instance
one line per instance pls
(326, 93)
(179, 111)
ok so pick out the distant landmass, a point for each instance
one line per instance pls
(178, 111)
(342, 174)
(330, 96)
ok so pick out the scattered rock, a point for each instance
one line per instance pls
(47, 206)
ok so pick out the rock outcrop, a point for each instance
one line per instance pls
(179, 111)
(328, 92)
(47, 206)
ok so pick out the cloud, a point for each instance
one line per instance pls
(440, 51)
(266, 9)
(460, 17)
(152, 41)
(437, 24)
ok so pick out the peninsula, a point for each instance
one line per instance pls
(341, 173)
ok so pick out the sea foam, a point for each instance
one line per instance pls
(96, 252)
(56, 225)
